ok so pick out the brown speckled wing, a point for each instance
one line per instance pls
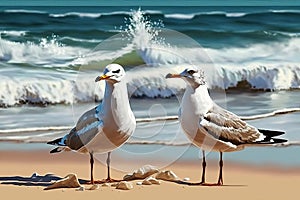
(228, 127)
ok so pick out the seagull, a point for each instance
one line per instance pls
(105, 127)
(213, 128)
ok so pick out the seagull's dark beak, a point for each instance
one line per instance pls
(173, 76)
(103, 77)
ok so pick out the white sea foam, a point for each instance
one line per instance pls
(285, 11)
(46, 52)
(236, 14)
(97, 15)
(13, 33)
(142, 81)
(82, 40)
(88, 15)
(189, 16)
(24, 11)
(180, 16)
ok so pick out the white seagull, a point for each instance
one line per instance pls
(213, 128)
(105, 127)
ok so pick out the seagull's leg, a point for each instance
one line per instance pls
(92, 167)
(202, 176)
(220, 180)
(109, 179)
(108, 166)
(203, 183)
(203, 167)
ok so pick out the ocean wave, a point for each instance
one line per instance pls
(285, 11)
(12, 33)
(24, 11)
(78, 14)
(180, 16)
(142, 82)
(228, 14)
(235, 14)
(97, 41)
(190, 16)
(269, 72)
(49, 51)
(165, 14)
(97, 15)
(291, 35)
(44, 90)
(148, 58)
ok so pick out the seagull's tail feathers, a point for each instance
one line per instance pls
(57, 150)
(271, 133)
(60, 142)
(270, 137)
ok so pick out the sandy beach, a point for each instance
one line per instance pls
(241, 181)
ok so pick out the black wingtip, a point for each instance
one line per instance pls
(271, 133)
(278, 140)
(54, 142)
(270, 137)
(56, 150)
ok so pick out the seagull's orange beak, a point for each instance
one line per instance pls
(103, 77)
(173, 76)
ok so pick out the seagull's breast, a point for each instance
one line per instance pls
(195, 104)
(117, 120)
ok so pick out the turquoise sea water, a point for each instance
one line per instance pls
(150, 3)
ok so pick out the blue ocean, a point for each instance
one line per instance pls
(50, 56)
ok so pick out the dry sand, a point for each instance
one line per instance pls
(242, 181)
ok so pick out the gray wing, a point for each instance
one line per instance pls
(228, 127)
(85, 130)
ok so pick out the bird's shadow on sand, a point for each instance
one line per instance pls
(34, 180)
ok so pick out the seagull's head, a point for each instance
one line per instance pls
(192, 76)
(113, 73)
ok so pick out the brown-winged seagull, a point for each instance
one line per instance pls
(213, 128)
(105, 127)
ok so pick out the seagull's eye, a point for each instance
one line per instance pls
(116, 71)
(191, 72)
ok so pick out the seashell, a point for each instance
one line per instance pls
(70, 181)
(153, 180)
(146, 182)
(167, 176)
(141, 173)
(124, 185)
